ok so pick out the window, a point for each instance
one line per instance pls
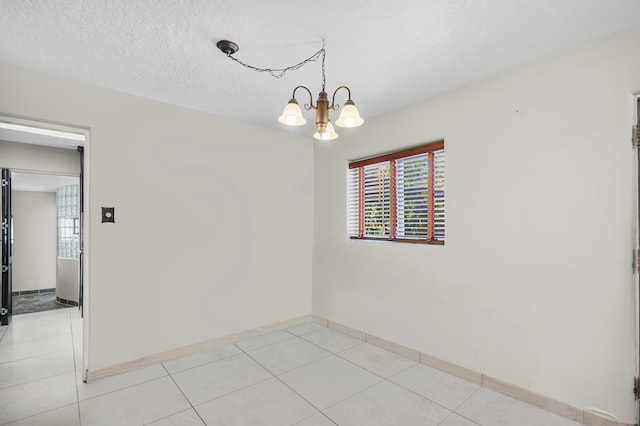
(398, 196)
(68, 202)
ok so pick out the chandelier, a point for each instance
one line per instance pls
(292, 114)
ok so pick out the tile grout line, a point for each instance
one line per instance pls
(28, 330)
(223, 395)
(38, 414)
(290, 388)
(329, 354)
(185, 397)
(31, 341)
(49, 377)
(371, 371)
(35, 357)
(75, 370)
(313, 415)
(245, 352)
(192, 349)
(396, 384)
(173, 380)
(387, 379)
(34, 380)
(232, 392)
(460, 405)
(120, 389)
(337, 354)
(268, 344)
(321, 321)
(174, 414)
(382, 377)
(466, 399)
(424, 397)
(452, 413)
(294, 336)
(357, 393)
(361, 342)
(199, 365)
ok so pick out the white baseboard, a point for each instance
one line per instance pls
(560, 408)
(125, 367)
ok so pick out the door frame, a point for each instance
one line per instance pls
(86, 209)
(635, 124)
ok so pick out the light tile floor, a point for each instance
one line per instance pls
(307, 375)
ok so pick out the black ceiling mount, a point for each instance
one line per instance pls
(227, 47)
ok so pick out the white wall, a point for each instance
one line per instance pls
(35, 236)
(22, 156)
(534, 285)
(67, 274)
(202, 245)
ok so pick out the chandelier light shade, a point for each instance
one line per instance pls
(349, 116)
(292, 114)
(328, 134)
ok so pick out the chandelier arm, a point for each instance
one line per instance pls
(335, 106)
(310, 104)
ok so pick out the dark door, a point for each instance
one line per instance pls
(5, 290)
(81, 233)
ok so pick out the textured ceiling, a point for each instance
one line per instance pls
(389, 53)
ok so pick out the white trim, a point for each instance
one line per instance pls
(633, 100)
(39, 124)
(125, 367)
(41, 131)
(86, 257)
(580, 415)
(85, 131)
(586, 416)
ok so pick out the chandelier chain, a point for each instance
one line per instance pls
(324, 54)
(279, 72)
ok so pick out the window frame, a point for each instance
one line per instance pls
(430, 149)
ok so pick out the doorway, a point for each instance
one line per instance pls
(35, 147)
(45, 241)
(38, 155)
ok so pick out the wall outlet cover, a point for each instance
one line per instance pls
(108, 214)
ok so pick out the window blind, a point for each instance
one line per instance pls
(412, 179)
(353, 202)
(438, 195)
(376, 200)
(398, 196)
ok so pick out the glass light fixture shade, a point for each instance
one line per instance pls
(349, 116)
(292, 114)
(329, 133)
